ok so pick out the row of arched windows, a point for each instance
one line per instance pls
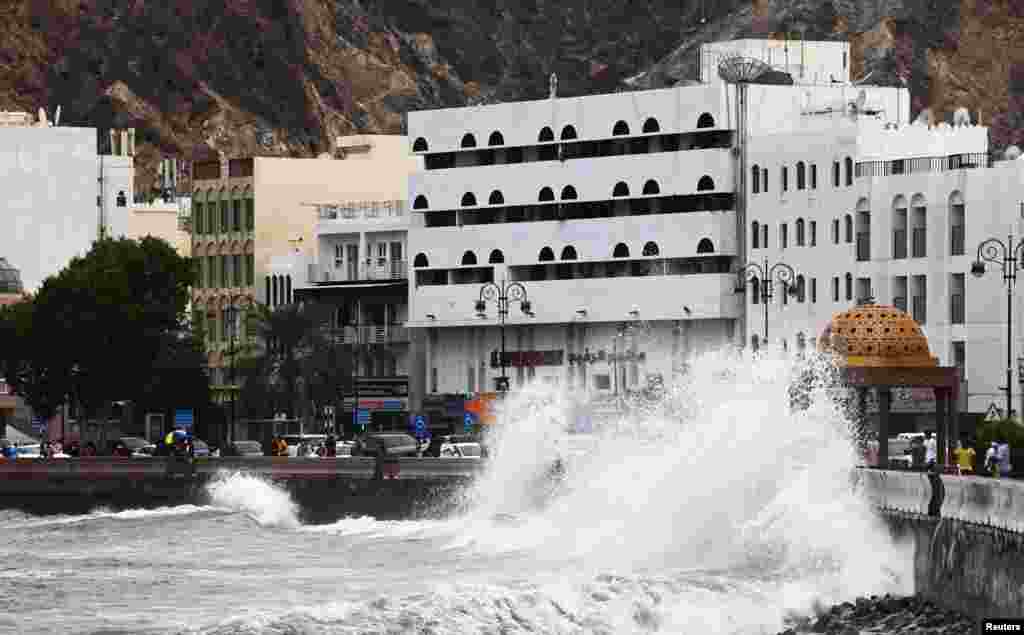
(806, 234)
(547, 254)
(547, 135)
(568, 193)
(806, 176)
(279, 290)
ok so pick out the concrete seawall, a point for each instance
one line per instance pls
(969, 552)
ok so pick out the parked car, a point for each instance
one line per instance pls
(466, 450)
(243, 448)
(392, 443)
(434, 449)
(200, 448)
(307, 442)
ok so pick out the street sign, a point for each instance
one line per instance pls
(183, 417)
(362, 418)
(419, 425)
(469, 419)
(994, 413)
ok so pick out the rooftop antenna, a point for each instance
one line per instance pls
(56, 117)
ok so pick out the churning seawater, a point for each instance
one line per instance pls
(718, 510)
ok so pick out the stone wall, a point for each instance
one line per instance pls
(969, 551)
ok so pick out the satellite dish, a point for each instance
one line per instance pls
(1012, 153)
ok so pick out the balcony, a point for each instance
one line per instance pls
(362, 210)
(370, 334)
(374, 270)
(899, 244)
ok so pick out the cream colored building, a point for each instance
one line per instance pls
(248, 212)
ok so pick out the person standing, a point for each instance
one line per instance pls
(991, 460)
(930, 450)
(1003, 457)
(965, 457)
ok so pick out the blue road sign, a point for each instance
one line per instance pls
(362, 418)
(183, 417)
(468, 421)
(420, 426)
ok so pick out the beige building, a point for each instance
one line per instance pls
(161, 220)
(248, 212)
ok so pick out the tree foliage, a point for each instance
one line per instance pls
(109, 326)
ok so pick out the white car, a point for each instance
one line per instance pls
(464, 450)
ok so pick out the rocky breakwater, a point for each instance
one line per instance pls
(886, 614)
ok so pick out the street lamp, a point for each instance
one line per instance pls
(1007, 256)
(765, 278)
(503, 295)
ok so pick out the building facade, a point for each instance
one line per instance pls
(361, 276)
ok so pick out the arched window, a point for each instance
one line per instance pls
(848, 220)
(849, 171)
(568, 253)
(705, 183)
(957, 224)
(568, 193)
(835, 173)
(468, 141)
(496, 257)
(650, 248)
(495, 198)
(420, 261)
(705, 246)
(849, 286)
(755, 179)
(801, 175)
(621, 129)
(651, 125)
(496, 139)
(568, 132)
(784, 174)
(755, 297)
(800, 232)
(122, 200)
(620, 251)
(468, 258)
(621, 189)
(420, 202)
(546, 255)
(801, 289)
(468, 199)
(546, 194)
(545, 135)
(706, 121)
(755, 233)
(419, 145)
(651, 187)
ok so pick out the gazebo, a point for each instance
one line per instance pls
(882, 347)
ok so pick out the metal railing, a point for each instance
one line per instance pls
(924, 164)
(359, 210)
(390, 270)
(899, 244)
(369, 334)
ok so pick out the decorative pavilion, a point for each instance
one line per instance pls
(882, 347)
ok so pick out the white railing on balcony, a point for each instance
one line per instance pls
(370, 334)
(370, 270)
(359, 210)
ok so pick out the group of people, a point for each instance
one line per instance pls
(328, 448)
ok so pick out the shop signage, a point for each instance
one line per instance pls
(382, 386)
(905, 399)
(517, 359)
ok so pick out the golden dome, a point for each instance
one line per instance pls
(877, 336)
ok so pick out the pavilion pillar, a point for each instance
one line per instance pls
(884, 406)
(941, 395)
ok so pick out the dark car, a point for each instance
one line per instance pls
(243, 448)
(392, 443)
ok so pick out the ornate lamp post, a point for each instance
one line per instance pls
(765, 277)
(1007, 256)
(503, 295)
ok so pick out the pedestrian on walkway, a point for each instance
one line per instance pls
(1003, 457)
(965, 457)
(992, 461)
(930, 450)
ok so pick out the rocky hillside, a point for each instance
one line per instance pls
(285, 77)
